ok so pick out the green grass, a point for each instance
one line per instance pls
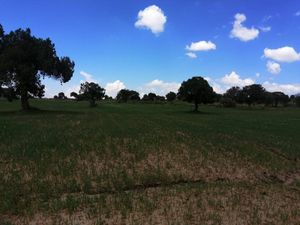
(67, 156)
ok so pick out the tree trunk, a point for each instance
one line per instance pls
(92, 102)
(24, 101)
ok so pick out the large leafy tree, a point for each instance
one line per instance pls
(126, 95)
(254, 93)
(196, 90)
(91, 92)
(25, 59)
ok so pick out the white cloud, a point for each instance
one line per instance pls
(284, 54)
(265, 29)
(289, 89)
(233, 79)
(297, 13)
(241, 32)
(192, 55)
(218, 88)
(221, 85)
(54, 89)
(273, 67)
(88, 77)
(159, 87)
(112, 89)
(151, 18)
(201, 46)
(207, 78)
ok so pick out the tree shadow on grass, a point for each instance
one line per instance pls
(201, 113)
(196, 113)
(36, 111)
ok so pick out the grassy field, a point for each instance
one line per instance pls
(148, 164)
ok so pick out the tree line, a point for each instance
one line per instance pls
(26, 59)
(195, 90)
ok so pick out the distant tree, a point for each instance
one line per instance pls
(126, 95)
(160, 98)
(234, 93)
(145, 97)
(280, 98)
(61, 96)
(269, 98)
(74, 95)
(217, 97)
(91, 92)
(292, 99)
(196, 90)
(297, 101)
(227, 102)
(24, 59)
(55, 97)
(254, 94)
(171, 96)
(152, 96)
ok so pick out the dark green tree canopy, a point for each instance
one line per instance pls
(234, 93)
(171, 96)
(25, 59)
(196, 90)
(61, 95)
(126, 95)
(254, 93)
(74, 95)
(278, 98)
(92, 92)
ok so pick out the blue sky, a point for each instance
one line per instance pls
(155, 45)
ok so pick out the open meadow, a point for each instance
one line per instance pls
(148, 164)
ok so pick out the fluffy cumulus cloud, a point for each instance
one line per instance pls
(284, 54)
(220, 85)
(217, 87)
(273, 67)
(192, 55)
(240, 31)
(151, 18)
(112, 89)
(233, 79)
(159, 87)
(201, 46)
(289, 89)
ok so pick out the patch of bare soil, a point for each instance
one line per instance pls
(167, 186)
(215, 203)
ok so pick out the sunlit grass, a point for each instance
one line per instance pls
(52, 156)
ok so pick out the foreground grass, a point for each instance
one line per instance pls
(148, 164)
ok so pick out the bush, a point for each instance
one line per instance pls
(228, 102)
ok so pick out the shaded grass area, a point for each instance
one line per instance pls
(52, 159)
